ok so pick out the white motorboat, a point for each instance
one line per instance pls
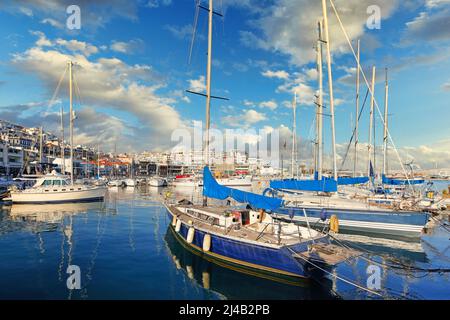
(130, 182)
(186, 181)
(116, 183)
(56, 188)
(157, 182)
(237, 181)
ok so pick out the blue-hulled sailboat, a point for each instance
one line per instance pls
(247, 240)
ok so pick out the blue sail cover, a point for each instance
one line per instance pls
(324, 185)
(356, 180)
(401, 182)
(212, 189)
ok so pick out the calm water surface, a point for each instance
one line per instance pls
(125, 251)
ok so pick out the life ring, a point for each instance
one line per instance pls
(207, 242)
(190, 235)
(334, 224)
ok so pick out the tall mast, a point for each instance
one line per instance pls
(40, 146)
(71, 119)
(330, 89)
(208, 90)
(319, 104)
(63, 165)
(372, 97)
(98, 161)
(385, 137)
(208, 81)
(294, 128)
(355, 163)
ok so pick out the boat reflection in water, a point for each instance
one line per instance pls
(50, 213)
(232, 284)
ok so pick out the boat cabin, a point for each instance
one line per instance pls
(53, 179)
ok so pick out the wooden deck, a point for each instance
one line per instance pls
(248, 232)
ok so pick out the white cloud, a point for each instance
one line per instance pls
(158, 3)
(54, 23)
(197, 85)
(181, 32)
(280, 74)
(130, 47)
(77, 46)
(271, 104)
(112, 84)
(446, 87)
(95, 14)
(290, 26)
(249, 117)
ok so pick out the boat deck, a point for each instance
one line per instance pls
(248, 232)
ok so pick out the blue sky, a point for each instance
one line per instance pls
(134, 70)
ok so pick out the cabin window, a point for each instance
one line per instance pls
(56, 182)
(47, 183)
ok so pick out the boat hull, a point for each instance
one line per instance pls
(86, 195)
(258, 260)
(401, 224)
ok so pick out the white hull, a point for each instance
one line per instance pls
(115, 183)
(366, 227)
(157, 182)
(236, 182)
(186, 183)
(58, 195)
(130, 182)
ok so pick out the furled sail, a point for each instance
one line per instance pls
(324, 185)
(355, 180)
(212, 189)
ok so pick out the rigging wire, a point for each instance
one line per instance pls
(52, 100)
(368, 86)
(354, 131)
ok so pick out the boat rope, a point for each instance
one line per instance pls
(370, 90)
(55, 93)
(354, 132)
(444, 225)
(299, 255)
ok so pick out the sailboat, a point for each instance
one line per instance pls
(320, 197)
(57, 188)
(247, 240)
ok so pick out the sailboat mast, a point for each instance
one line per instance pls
(386, 92)
(294, 128)
(40, 146)
(208, 82)
(320, 104)
(63, 165)
(355, 163)
(330, 89)
(98, 161)
(372, 97)
(71, 119)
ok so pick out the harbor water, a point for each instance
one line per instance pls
(125, 250)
